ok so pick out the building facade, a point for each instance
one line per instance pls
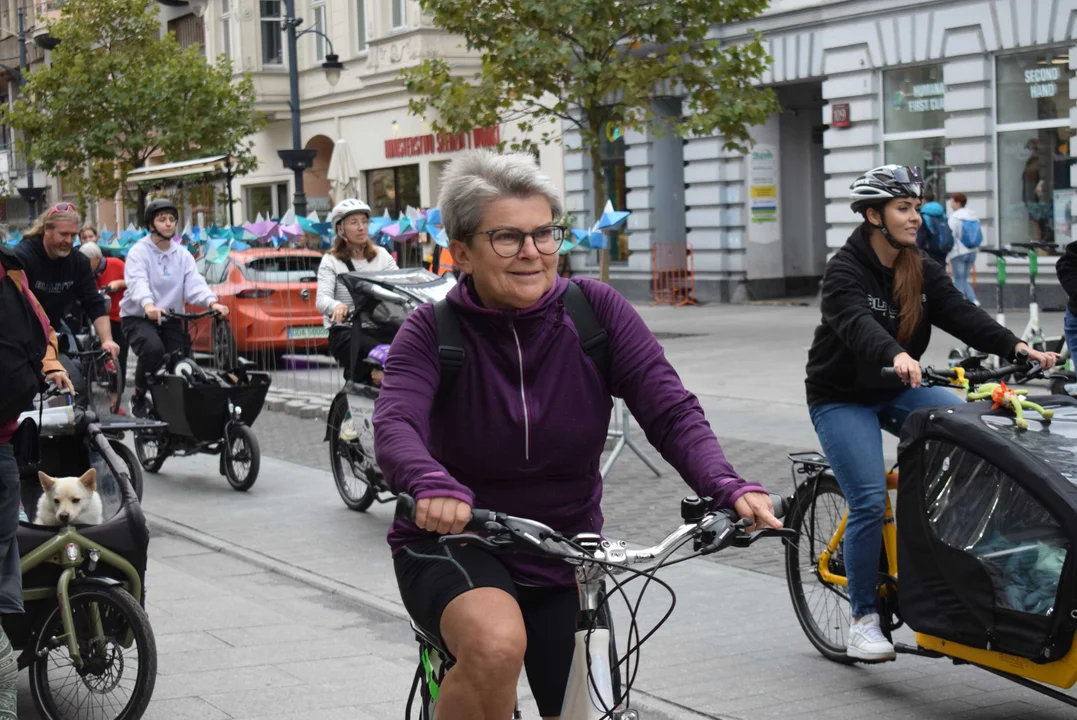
(397, 158)
(978, 93)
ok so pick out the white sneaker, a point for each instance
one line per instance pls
(867, 642)
(347, 431)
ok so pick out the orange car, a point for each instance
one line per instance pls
(270, 297)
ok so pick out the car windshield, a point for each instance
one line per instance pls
(282, 268)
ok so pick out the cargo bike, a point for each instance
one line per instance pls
(84, 635)
(985, 531)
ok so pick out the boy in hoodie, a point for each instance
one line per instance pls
(161, 276)
(934, 237)
(962, 256)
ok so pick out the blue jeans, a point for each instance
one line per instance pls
(852, 442)
(1069, 329)
(962, 267)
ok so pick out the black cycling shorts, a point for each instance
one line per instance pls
(431, 575)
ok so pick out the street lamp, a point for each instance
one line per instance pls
(299, 159)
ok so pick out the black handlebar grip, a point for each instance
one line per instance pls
(405, 507)
(888, 372)
(479, 518)
(780, 505)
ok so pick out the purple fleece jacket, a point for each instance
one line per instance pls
(523, 430)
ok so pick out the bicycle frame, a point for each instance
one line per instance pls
(889, 540)
(69, 549)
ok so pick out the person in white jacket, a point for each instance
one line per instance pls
(161, 276)
(962, 258)
(352, 251)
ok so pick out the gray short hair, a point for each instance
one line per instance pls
(91, 251)
(477, 178)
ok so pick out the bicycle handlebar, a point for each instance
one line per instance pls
(191, 316)
(714, 531)
(1022, 367)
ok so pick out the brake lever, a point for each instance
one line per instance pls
(713, 544)
(492, 544)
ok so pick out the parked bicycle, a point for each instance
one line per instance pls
(205, 413)
(987, 519)
(594, 688)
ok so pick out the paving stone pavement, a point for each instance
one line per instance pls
(732, 649)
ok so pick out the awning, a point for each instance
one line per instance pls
(215, 165)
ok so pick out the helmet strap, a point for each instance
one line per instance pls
(882, 228)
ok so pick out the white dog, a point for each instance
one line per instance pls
(69, 500)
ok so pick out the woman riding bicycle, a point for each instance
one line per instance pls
(161, 276)
(880, 300)
(352, 251)
(521, 431)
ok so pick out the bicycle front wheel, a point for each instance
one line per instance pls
(822, 607)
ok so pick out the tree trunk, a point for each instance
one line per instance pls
(599, 187)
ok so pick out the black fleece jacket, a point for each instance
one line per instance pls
(1066, 267)
(57, 283)
(858, 333)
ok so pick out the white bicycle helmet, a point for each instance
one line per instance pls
(885, 183)
(347, 207)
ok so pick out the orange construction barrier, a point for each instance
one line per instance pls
(673, 274)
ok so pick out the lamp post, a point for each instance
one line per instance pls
(299, 159)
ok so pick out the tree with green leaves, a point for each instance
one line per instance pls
(593, 64)
(118, 93)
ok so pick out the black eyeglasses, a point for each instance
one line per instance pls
(508, 241)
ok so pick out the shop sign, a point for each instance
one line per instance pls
(763, 192)
(925, 97)
(445, 143)
(1043, 82)
(839, 116)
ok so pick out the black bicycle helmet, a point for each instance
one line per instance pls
(883, 184)
(155, 208)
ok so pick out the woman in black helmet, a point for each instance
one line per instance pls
(161, 275)
(880, 299)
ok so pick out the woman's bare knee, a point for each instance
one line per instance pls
(484, 630)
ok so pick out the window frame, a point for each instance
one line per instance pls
(320, 10)
(997, 130)
(400, 6)
(886, 137)
(275, 196)
(225, 26)
(362, 27)
(278, 20)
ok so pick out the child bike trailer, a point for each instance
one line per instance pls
(987, 524)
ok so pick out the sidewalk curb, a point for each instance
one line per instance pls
(644, 700)
(333, 587)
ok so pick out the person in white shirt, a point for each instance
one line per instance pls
(962, 258)
(352, 251)
(161, 276)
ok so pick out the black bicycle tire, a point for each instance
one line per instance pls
(139, 623)
(247, 435)
(805, 499)
(134, 466)
(336, 463)
(152, 465)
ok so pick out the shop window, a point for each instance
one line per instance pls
(612, 150)
(226, 28)
(360, 16)
(928, 154)
(913, 119)
(271, 201)
(1034, 189)
(393, 189)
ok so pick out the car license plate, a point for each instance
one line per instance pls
(304, 333)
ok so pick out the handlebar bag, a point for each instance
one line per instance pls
(987, 521)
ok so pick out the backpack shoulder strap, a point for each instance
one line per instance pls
(451, 353)
(593, 337)
(350, 264)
